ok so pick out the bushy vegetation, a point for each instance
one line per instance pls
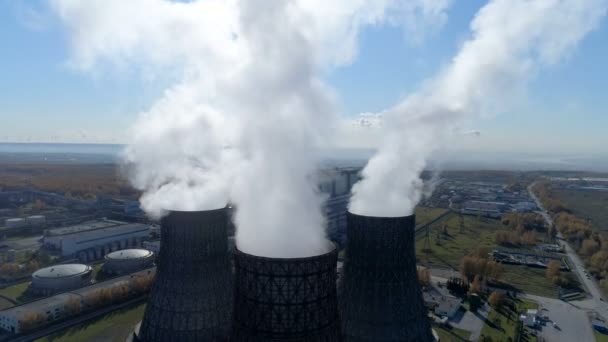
(480, 266)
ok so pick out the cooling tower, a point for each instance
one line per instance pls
(191, 299)
(380, 298)
(292, 299)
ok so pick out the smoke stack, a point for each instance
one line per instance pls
(191, 299)
(285, 299)
(380, 297)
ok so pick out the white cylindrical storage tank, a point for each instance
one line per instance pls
(128, 261)
(14, 223)
(36, 220)
(60, 278)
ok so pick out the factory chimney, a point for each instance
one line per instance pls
(380, 298)
(191, 299)
(285, 299)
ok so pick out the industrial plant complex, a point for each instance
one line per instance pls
(199, 286)
(206, 289)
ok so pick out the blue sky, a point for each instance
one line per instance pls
(42, 99)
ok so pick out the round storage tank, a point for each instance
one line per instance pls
(36, 220)
(127, 261)
(60, 278)
(14, 223)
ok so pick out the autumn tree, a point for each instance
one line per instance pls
(529, 238)
(589, 247)
(553, 272)
(9, 269)
(32, 265)
(72, 306)
(31, 320)
(475, 285)
(424, 276)
(496, 299)
(494, 270)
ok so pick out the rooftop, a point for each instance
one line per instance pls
(87, 226)
(64, 270)
(129, 254)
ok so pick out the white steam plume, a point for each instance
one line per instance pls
(248, 110)
(511, 40)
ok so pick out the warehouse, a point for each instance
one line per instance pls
(127, 261)
(60, 278)
(92, 240)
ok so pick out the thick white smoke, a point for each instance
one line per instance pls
(511, 40)
(248, 109)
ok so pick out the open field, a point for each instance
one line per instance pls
(530, 280)
(5, 304)
(599, 337)
(479, 233)
(501, 324)
(426, 214)
(587, 204)
(15, 291)
(116, 326)
(451, 334)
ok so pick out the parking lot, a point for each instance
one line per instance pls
(572, 324)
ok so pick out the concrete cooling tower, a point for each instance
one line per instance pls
(285, 299)
(191, 299)
(380, 298)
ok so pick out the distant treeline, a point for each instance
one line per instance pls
(78, 181)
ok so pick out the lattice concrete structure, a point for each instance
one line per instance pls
(380, 297)
(285, 299)
(191, 299)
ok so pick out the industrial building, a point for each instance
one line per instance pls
(60, 306)
(336, 184)
(14, 223)
(191, 299)
(127, 261)
(380, 297)
(94, 239)
(60, 278)
(52, 308)
(486, 209)
(36, 220)
(286, 299)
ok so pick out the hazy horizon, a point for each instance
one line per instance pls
(462, 160)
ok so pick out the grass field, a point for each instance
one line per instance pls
(479, 233)
(425, 214)
(599, 337)
(588, 204)
(5, 304)
(451, 334)
(531, 280)
(113, 327)
(501, 324)
(15, 291)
